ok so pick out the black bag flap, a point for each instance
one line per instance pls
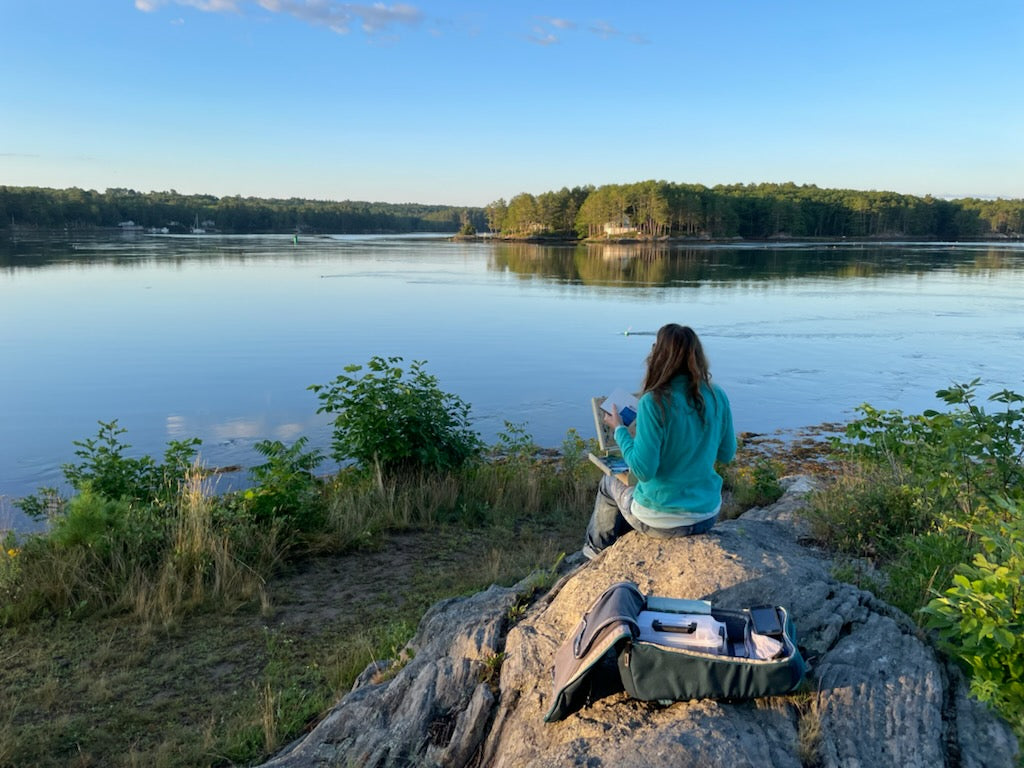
(610, 619)
(620, 602)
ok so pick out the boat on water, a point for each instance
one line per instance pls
(196, 229)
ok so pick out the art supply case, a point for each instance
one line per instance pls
(674, 649)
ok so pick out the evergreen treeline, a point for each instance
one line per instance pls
(51, 208)
(753, 211)
(649, 209)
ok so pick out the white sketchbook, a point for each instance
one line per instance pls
(627, 405)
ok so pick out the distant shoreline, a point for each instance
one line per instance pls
(693, 240)
(540, 239)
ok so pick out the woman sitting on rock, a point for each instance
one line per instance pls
(683, 426)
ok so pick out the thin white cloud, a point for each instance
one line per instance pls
(547, 31)
(337, 16)
(604, 30)
(213, 6)
(381, 20)
(342, 17)
(541, 36)
(378, 16)
(209, 6)
(559, 23)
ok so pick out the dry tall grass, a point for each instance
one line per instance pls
(360, 510)
(201, 565)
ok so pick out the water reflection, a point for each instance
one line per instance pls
(92, 248)
(594, 264)
(233, 431)
(663, 264)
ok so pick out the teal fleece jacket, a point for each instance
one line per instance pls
(673, 454)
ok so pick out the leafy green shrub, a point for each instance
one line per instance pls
(980, 619)
(106, 469)
(914, 475)
(148, 537)
(960, 458)
(286, 486)
(395, 420)
(927, 492)
(993, 444)
(44, 504)
(74, 568)
(109, 473)
(514, 445)
(92, 522)
(575, 461)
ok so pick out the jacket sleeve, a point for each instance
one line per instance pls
(727, 445)
(643, 452)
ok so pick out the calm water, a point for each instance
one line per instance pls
(219, 337)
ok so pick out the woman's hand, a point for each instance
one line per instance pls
(613, 419)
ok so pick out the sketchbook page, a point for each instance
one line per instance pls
(625, 401)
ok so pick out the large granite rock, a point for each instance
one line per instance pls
(876, 695)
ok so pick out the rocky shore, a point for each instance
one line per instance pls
(477, 680)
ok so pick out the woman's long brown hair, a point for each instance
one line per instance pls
(677, 351)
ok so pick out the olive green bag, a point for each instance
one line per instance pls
(672, 649)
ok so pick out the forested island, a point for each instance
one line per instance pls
(660, 209)
(641, 210)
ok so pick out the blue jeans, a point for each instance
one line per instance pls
(612, 518)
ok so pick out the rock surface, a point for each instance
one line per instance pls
(876, 694)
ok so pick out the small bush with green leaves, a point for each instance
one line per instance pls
(393, 419)
(936, 499)
(914, 475)
(286, 486)
(980, 619)
(92, 521)
(106, 468)
(575, 460)
(514, 445)
(109, 472)
(960, 458)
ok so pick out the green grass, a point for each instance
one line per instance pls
(221, 687)
(240, 636)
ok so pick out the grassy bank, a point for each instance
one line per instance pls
(159, 624)
(225, 686)
(244, 636)
(241, 633)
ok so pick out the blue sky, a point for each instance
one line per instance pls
(461, 103)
